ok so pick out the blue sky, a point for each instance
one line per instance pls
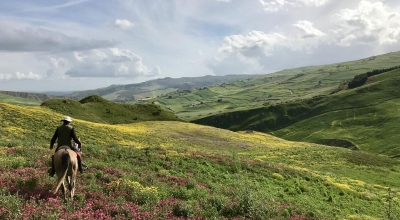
(53, 45)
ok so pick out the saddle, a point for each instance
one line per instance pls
(65, 147)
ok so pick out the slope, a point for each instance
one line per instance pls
(366, 117)
(33, 97)
(274, 88)
(175, 170)
(17, 100)
(97, 109)
(369, 117)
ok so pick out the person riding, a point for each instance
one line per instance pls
(64, 134)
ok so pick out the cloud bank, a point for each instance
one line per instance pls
(127, 41)
(40, 40)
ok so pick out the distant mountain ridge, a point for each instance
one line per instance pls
(28, 95)
(124, 93)
(130, 92)
(268, 89)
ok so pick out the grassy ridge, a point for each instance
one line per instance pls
(366, 116)
(167, 170)
(124, 93)
(97, 109)
(274, 88)
(17, 100)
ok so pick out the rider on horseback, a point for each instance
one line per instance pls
(64, 134)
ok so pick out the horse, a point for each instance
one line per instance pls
(66, 167)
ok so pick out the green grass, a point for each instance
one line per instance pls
(17, 100)
(274, 88)
(367, 116)
(177, 169)
(97, 109)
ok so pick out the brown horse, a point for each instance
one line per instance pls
(66, 166)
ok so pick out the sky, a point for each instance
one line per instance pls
(71, 45)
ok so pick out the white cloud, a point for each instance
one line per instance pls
(255, 53)
(112, 62)
(245, 54)
(252, 44)
(20, 76)
(59, 38)
(63, 5)
(316, 3)
(58, 66)
(123, 24)
(156, 71)
(276, 5)
(224, 0)
(40, 40)
(308, 30)
(369, 22)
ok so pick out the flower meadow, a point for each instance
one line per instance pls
(176, 170)
(113, 193)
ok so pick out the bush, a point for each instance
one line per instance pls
(135, 191)
(358, 81)
(182, 209)
(10, 205)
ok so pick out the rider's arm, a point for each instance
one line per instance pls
(76, 139)
(53, 140)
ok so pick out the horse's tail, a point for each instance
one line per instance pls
(65, 161)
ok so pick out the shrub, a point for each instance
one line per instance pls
(10, 205)
(182, 209)
(135, 191)
(358, 81)
(217, 202)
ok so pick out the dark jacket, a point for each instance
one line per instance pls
(64, 134)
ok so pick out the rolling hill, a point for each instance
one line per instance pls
(148, 89)
(274, 88)
(97, 109)
(365, 118)
(16, 99)
(33, 97)
(175, 170)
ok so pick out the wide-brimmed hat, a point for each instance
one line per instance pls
(67, 118)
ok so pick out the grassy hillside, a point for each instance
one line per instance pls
(174, 170)
(366, 118)
(152, 88)
(97, 109)
(369, 118)
(275, 88)
(17, 100)
(32, 97)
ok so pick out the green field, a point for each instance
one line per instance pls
(274, 88)
(17, 100)
(367, 118)
(175, 170)
(97, 109)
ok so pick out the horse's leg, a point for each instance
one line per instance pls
(69, 182)
(72, 184)
(63, 190)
